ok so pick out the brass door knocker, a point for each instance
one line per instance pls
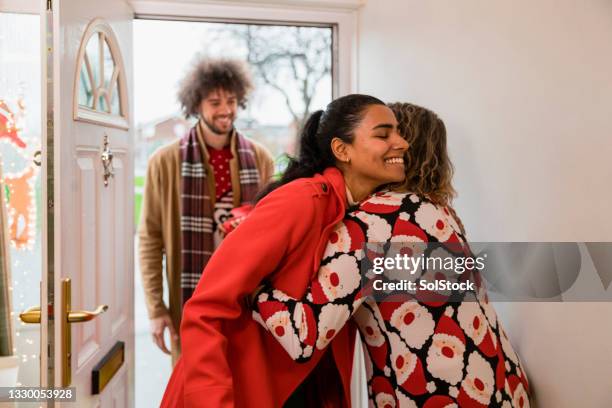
(107, 161)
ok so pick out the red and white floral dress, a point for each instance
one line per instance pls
(418, 354)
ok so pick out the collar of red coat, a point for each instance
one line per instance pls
(335, 179)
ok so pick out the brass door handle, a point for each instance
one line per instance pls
(85, 316)
(72, 316)
(31, 315)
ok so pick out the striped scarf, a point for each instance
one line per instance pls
(197, 208)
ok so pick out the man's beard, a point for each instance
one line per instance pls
(215, 129)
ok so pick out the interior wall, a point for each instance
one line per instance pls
(526, 92)
(525, 89)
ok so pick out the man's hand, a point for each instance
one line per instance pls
(230, 225)
(158, 327)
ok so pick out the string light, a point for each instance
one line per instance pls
(22, 183)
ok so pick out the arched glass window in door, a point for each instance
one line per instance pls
(100, 90)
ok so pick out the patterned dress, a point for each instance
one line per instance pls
(418, 354)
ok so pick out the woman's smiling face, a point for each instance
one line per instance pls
(377, 151)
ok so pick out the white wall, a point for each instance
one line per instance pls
(525, 89)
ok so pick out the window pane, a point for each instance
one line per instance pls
(93, 54)
(115, 106)
(85, 88)
(102, 106)
(109, 65)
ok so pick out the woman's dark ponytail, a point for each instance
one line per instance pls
(340, 119)
(310, 156)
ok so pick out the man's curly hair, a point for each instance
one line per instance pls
(207, 75)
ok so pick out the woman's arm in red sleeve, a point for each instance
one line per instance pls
(241, 262)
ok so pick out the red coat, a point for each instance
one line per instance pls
(228, 360)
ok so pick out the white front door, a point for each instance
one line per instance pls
(88, 146)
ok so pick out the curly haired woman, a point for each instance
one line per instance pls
(423, 352)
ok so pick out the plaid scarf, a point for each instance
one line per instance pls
(197, 208)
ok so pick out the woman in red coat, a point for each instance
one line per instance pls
(347, 152)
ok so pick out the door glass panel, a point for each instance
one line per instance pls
(109, 66)
(85, 88)
(20, 139)
(115, 107)
(100, 65)
(101, 74)
(92, 54)
(102, 105)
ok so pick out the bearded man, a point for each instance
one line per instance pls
(191, 186)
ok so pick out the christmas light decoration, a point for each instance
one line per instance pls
(21, 207)
(8, 123)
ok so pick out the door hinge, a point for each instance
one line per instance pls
(49, 5)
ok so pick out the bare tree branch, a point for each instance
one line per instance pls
(289, 61)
